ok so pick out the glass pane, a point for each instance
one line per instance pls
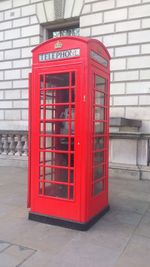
(56, 190)
(99, 127)
(98, 172)
(55, 159)
(99, 98)
(98, 143)
(99, 113)
(41, 81)
(56, 143)
(98, 187)
(100, 83)
(57, 96)
(57, 80)
(71, 192)
(56, 174)
(98, 157)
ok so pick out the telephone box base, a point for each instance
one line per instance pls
(64, 223)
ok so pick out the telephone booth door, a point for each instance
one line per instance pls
(56, 139)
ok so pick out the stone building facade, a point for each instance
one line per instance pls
(123, 26)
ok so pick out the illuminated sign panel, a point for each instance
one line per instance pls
(60, 54)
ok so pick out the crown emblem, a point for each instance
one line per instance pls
(58, 44)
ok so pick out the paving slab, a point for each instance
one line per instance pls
(120, 239)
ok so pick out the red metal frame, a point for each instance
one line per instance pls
(65, 118)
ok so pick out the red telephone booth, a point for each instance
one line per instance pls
(68, 132)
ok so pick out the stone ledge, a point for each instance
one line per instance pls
(123, 122)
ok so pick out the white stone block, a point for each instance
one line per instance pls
(21, 22)
(5, 65)
(121, 3)
(117, 112)
(12, 34)
(145, 23)
(24, 42)
(143, 152)
(104, 29)
(111, 52)
(118, 64)
(5, 45)
(144, 100)
(35, 40)
(5, 25)
(139, 36)
(20, 84)
(50, 12)
(77, 8)
(1, 75)
(127, 50)
(85, 32)
(26, 52)
(20, 104)
(5, 104)
(14, 125)
(145, 74)
(139, 11)
(12, 14)
(35, 1)
(5, 5)
(22, 63)
(125, 100)
(103, 5)
(24, 114)
(28, 10)
(24, 94)
(1, 94)
(5, 84)
(138, 62)
(86, 9)
(41, 13)
(1, 36)
(25, 73)
(1, 115)
(12, 75)
(31, 30)
(1, 55)
(68, 8)
(117, 88)
(1, 16)
(145, 49)
(111, 101)
(12, 114)
(138, 87)
(89, 1)
(128, 26)
(115, 15)
(89, 20)
(17, 3)
(34, 19)
(138, 112)
(115, 39)
(12, 94)
(12, 54)
(123, 151)
(126, 75)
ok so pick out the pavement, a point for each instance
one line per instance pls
(120, 239)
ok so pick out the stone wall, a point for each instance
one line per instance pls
(124, 27)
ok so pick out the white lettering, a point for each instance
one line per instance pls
(60, 54)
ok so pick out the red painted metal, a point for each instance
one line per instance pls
(69, 129)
